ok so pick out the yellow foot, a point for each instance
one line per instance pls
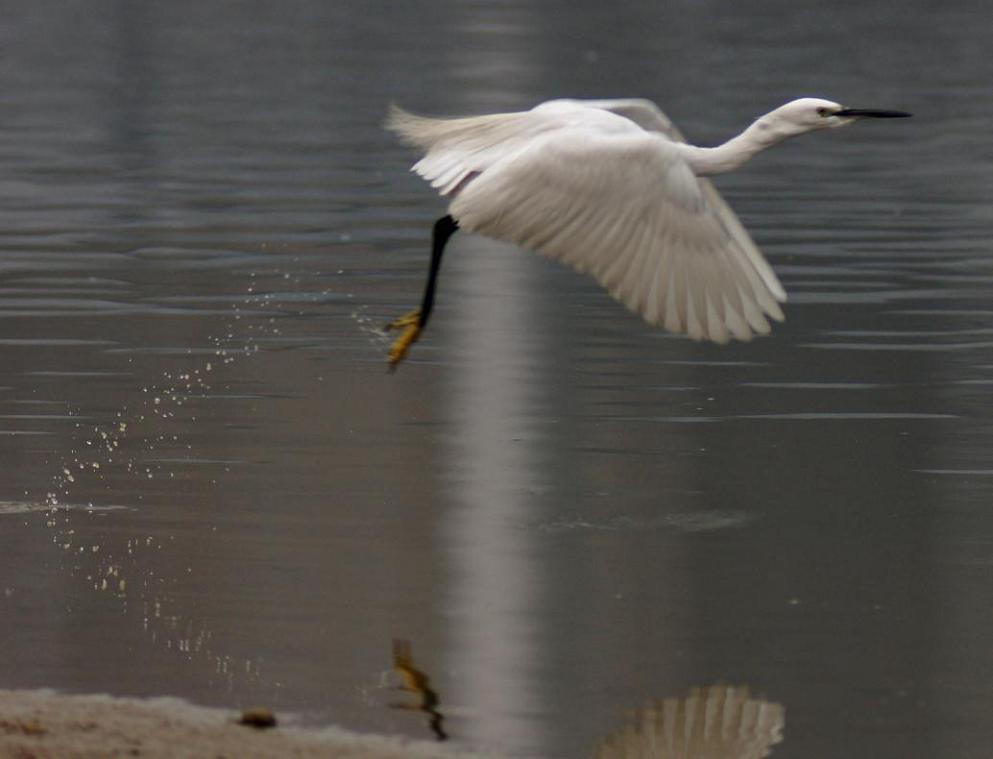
(411, 326)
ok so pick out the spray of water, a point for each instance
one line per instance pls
(153, 421)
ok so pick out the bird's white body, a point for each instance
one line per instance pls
(611, 188)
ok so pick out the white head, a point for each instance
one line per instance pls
(809, 114)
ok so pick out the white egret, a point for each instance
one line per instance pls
(611, 188)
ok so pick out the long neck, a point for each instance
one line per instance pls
(727, 157)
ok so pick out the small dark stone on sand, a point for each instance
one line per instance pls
(258, 717)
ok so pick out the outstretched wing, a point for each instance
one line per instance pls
(628, 210)
(651, 118)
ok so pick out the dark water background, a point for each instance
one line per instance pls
(567, 512)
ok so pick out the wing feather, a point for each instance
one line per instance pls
(655, 301)
(639, 282)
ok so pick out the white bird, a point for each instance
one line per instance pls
(611, 188)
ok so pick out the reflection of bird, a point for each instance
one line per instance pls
(416, 681)
(611, 188)
(719, 722)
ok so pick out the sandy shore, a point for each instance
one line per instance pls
(45, 725)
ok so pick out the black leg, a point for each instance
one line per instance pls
(444, 228)
(413, 323)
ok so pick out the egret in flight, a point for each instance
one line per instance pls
(611, 188)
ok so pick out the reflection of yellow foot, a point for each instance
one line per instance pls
(411, 326)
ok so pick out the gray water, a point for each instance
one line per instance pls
(566, 512)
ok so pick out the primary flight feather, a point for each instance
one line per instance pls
(611, 188)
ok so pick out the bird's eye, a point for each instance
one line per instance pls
(823, 112)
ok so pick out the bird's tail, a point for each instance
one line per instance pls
(411, 128)
(425, 132)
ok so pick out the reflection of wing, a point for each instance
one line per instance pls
(718, 722)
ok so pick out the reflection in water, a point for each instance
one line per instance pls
(716, 722)
(493, 459)
(494, 452)
(154, 417)
(416, 681)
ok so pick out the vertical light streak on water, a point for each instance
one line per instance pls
(495, 348)
(492, 460)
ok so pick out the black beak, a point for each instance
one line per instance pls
(871, 113)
